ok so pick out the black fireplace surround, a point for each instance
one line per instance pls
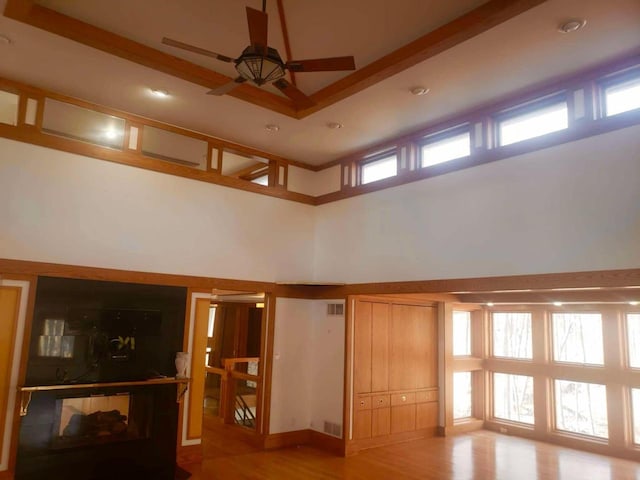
(95, 332)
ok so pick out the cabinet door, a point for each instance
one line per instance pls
(402, 361)
(379, 347)
(403, 418)
(362, 424)
(381, 422)
(362, 348)
(425, 346)
(427, 415)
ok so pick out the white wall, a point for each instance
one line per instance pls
(574, 207)
(292, 366)
(313, 183)
(308, 366)
(63, 208)
(327, 366)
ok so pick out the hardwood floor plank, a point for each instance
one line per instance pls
(479, 455)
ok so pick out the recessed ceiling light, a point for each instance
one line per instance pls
(4, 40)
(634, 303)
(571, 25)
(557, 304)
(272, 128)
(334, 125)
(418, 91)
(158, 92)
(489, 304)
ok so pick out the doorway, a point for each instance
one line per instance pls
(234, 353)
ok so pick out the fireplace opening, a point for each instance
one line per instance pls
(100, 419)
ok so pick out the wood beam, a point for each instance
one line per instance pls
(82, 32)
(469, 25)
(437, 41)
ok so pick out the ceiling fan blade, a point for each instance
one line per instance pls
(258, 22)
(194, 49)
(300, 99)
(227, 87)
(322, 64)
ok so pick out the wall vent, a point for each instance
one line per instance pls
(334, 429)
(335, 309)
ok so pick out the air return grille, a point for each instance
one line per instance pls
(335, 309)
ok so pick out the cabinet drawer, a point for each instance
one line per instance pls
(428, 396)
(380, 401)
(363, 403)
(403, 398)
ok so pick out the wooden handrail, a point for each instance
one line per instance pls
(245, 376)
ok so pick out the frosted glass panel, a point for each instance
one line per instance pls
(173, 147)
(8, 108)
(71, 121)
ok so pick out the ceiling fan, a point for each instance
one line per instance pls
(262, 64)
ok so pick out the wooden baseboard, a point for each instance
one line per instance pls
(354, 446)
(287, 439)
(315, 439)
(186, 455)
(463, 427)
(322, 441)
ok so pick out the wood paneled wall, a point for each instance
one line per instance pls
(395, 372)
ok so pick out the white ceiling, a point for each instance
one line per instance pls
(520, 52)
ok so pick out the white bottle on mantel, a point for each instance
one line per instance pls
(182, 361)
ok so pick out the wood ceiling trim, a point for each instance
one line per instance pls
(49, 20)
(463, 28)
(469, 25)
(619, 295)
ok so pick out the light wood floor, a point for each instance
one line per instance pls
(481, 455)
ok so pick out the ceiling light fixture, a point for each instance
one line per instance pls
(489, 304)
(557, 304)
(272, 128)
(572, 25)
(157, 92)
(419, 91)
(4, 40)
(634, 303)
(334, 125)
(258, 67)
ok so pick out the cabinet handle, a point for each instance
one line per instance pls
(380, 401)
(362, 403)
(404, 398)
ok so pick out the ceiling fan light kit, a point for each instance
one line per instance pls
(254, 65)
(262, 64)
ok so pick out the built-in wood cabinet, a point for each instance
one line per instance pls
(395, 371)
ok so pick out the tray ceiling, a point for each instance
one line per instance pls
(520, 51)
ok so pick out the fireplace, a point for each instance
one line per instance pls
(98, 399)
(113, 432)
(100, 419)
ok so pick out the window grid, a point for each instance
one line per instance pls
(596, 390)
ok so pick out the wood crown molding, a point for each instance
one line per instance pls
(463, 28)
(612, 282)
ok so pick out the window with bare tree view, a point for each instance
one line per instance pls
(512, 335)
(577, 338)
(581, 408)
(513, 397)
